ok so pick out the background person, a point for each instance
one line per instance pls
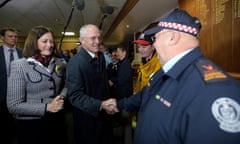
(106, 53)
(150, 62)
(123, 84)
(34, 91)
(123, 81)
(9, 37)
(112, 70)
(65, 55)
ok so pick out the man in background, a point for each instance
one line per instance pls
(8, 53)
(106, 53)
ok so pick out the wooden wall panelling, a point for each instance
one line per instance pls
(236, 36)
(220, 34)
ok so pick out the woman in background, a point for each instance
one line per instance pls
(36, 91)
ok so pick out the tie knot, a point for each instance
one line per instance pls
(10, 50)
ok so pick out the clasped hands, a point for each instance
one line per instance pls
(110, 106)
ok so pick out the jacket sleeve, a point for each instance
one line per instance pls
(131, 103)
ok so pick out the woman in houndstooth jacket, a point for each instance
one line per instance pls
(36, 91)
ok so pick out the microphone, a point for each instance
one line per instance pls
(108, 10)
(102, 20)
(79, 4)
(4, 3)
(64, 92)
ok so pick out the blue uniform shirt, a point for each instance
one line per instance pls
(195, 102)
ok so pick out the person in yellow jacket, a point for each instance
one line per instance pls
(150, 62)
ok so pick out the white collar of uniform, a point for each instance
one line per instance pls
(174, 60)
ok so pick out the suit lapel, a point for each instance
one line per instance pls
(92, 63)
(2, 61)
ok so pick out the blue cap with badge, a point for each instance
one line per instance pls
(178, 20)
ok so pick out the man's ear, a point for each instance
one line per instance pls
(174, 37)
(80, 39)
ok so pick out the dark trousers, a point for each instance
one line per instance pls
(51, 129)
(92, 130)
(7, 127)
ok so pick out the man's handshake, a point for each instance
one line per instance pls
(110, 106)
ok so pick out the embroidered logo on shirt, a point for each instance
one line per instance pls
(162, 100)
(227, 112)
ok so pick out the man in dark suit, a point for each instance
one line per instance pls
(9, 38)
(88, 88)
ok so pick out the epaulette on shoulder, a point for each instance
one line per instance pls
(210, 72)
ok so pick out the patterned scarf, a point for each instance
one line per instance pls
(43, 60)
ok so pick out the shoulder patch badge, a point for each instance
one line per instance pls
(210, 72)
(227, 112)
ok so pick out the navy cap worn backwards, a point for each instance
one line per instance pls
(178, 20)
(143, 40)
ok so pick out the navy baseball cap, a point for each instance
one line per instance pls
(143, 40)
(178, 20)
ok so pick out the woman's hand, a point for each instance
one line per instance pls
(56, 104)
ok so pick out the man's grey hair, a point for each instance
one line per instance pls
(84, 29)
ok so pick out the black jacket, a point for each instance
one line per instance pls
(3, 77)
(123, 83)
(87, 87)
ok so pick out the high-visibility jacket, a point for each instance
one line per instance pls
(145, 71)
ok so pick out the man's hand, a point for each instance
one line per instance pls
(110, 106)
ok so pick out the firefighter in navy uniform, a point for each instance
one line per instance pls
(190, 100)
